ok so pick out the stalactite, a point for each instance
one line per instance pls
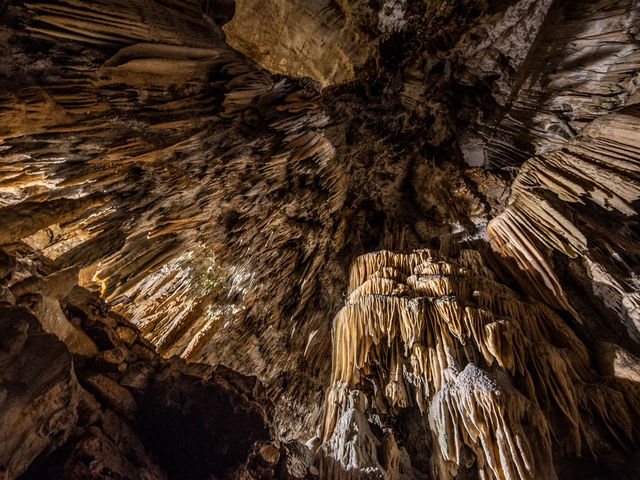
(488, 367)
(141, 149)
(120, 22)
(600, 166)
(563, 84)
(166, 181)
(192, 149)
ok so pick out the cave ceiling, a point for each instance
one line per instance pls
(415, 220)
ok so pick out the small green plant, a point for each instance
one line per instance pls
(206, 276)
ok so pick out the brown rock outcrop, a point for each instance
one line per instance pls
(323, 40)
(39, 392)
(123, 412)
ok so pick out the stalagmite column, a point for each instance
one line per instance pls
(496, 375)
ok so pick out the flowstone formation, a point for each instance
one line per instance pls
(503, 381)
(549, 209)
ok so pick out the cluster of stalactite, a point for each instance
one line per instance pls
(158, 144)
(575, 63)
(136, 144)
(597, 173)
(500, 375)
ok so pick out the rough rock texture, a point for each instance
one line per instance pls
(40, 393)
(547, 210)
(122, 411)
(324, 40)
(215, 199)
(582, 64)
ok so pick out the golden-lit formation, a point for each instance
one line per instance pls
(197, 185)
(600, 167)
(494, 372)
(183, 165)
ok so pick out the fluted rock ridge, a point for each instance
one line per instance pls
(495, 373)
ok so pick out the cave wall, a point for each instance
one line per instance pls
(212, 169)
(101, 403)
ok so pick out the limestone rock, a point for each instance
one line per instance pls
(39, 392)
(217, 205)
(615, 361)
(54, 426)
(415, 325)
(352, 451)
(295, 462)
(112, 394)
(322, 40)
(113, 450)
(545, 212)
(54, 321)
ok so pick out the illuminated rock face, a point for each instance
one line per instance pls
(497, 375)
(110, 407)
(597, 169)
(213, 207)
(322, 39)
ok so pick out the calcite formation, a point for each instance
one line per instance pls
(495, 373)
(191, 190)
(118, 410)
(598, 167)
(574, 63)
